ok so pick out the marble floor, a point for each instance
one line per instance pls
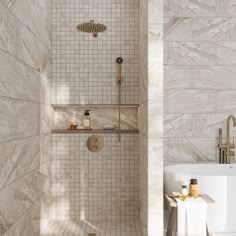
(83, 228)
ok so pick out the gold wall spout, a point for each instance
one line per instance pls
(227, 146)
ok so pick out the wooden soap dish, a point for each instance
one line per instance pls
(73, 127)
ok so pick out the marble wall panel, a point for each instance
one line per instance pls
(208, 125)
(191, 101)
(34, 221)
(155, 43)
(226, 102)
(225, 8)
(190, 53)
(189, 8)
(155, 12)
(17, 157)
(46, 118)
(155, 186)
(18, 80)
(178, 29)
(191, 150)
(226, 53)
(25, 113)
(177, 77)
(20, 196)
(213, 29)
(143, 108)
(143, 183)
(178, 125)
(35, 15)
(155, 117)
(199, 77)
(19, 41)
(214, 77)
(143, 119)
(19, 118)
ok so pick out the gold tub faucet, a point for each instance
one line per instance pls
(228, 146)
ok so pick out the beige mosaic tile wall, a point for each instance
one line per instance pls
(101, 186)
(200, 85)
(84, 69)
(25, 117)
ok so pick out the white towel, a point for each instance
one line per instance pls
(192, 215)
(181, 218)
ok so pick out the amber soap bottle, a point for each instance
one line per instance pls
(193, 188)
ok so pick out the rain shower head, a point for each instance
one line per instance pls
(92, 27)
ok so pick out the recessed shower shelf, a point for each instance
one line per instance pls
(95, 131)
(95, 105)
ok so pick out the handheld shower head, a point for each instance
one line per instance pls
(119, 60)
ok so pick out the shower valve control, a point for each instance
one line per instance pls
(95, 143)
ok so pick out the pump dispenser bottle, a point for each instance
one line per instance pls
(86, 120)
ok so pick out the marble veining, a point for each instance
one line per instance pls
(189, 8)
(18, 80)
(199, 77)
(25, 117)
(214, 29)
(20, 118)
(226, 53)
(178, 29)
(226, 8)
(37, 12)
(18, 197)
(191, 101)
(191, 149)
(22, 156)
(34, 221)
(190, 53)
(19, 41)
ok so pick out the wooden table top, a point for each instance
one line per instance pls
(172, 202)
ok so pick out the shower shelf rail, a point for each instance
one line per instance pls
(95, 105)
(94, 131)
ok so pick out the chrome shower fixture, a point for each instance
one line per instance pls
(92, 27)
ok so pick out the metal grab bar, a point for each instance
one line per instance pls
(119, 62)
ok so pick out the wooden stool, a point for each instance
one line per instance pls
(172, 223)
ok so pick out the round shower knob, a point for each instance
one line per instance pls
(95, 143)
(119, 60)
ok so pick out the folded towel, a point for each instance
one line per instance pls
(181, 218)
(192, 215)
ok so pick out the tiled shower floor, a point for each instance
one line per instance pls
(82, 228)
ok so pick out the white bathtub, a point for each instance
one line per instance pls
(219, 182)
